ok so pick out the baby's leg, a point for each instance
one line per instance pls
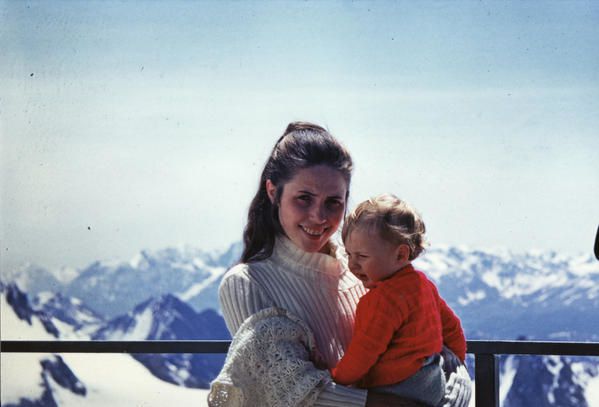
(427, 385)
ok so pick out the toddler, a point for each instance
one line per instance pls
(401, 322)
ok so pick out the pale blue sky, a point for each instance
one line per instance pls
(149, 122)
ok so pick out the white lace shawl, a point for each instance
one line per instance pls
(268, 364)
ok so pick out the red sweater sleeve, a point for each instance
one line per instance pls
(374, 328)
(453, 334)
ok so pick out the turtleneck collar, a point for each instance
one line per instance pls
(297, 260)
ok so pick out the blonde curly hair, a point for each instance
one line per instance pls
(393, 219)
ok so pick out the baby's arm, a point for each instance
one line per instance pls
(373, 330)
(453, 334)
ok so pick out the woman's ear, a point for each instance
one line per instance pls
(403, 253)
(271, 191)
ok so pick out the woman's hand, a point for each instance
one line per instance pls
(375, 399)
(450, 361)
(458, 389)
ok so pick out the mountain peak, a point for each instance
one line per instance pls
(19, 302)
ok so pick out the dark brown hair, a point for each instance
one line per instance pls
(302, 145)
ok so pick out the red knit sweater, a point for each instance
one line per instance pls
(399, 323)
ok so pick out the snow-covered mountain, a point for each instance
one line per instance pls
(72, 380)
(497, 294)
(32, 279)
(73, 318)
(501, 295)
(42, 375)
(29, 379)
(548, 381)
(112, 288)
(168, 318)
(16, 310)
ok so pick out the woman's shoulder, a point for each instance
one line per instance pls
(244, 270)
(241, 295)
(238, 268)
(245, 274)
(240, 271)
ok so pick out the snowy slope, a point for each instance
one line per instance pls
(17, 312)
(77, 379)
(109, 380)
(73, 318)
(120, 381)
(20, 372)
(592, 392)
(14, 328)
(168, 318)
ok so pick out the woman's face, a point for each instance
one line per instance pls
(312, 206)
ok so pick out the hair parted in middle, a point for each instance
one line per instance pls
(302, 145)
(392, 219)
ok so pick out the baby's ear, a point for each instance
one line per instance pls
(403, 253)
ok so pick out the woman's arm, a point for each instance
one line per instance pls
(268, 363)
(240, 298)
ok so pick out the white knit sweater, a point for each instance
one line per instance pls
(313, 286)
(319, 289)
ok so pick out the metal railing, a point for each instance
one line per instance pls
(486, 366)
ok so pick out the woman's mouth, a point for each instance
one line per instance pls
(313, 233)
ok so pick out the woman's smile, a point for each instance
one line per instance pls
(313, 232)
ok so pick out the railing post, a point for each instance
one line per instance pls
(486, 379)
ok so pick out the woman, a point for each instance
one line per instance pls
(290, 303)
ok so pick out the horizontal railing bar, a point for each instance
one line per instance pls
(116, 346)
(533, 348)
(213, 346)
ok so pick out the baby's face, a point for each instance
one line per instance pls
(371, 258)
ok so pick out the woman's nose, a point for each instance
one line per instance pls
(319, 214)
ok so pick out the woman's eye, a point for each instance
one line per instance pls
(334, 203)
(304, 199)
